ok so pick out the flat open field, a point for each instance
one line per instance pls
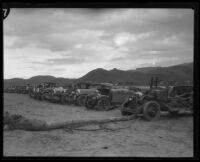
(167, 137)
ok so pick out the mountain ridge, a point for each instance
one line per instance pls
(180, 72)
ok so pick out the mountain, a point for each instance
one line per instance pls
(14, 81)
(140, 76)
(112, 76)
(38, 79)
(146, 69)
(182, 72)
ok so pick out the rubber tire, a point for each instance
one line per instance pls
(90, 106)
(36, 96)
(79, 100)
(42, 97)
(31, 94)
(63, 101)
(67, 99)
(103, 100)
(70, 100)
(39, 96)
(146, 111)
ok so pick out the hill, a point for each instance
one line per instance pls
(140, 76)
(182, 72)
(38, 79)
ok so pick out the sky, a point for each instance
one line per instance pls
(70, 42)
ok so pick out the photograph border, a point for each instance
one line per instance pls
(192, 5)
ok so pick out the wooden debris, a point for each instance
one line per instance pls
(20, 122)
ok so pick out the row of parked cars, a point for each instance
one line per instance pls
(17, 89)
(101, 96)
(104, 96)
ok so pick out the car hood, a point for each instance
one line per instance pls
(86, 91)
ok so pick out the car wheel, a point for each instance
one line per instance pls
(104, 104)
(91, 102)
(80, 101)
(43, 97)
(151, 110)
(63, 101)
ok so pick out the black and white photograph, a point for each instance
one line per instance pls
(98, 82)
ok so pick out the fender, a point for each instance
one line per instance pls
(102, 96)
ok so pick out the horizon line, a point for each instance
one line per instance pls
(92, 70)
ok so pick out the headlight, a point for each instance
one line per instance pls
(130, 98)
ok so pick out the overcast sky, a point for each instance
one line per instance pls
(71, 42)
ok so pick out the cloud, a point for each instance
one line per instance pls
(84, 39)
(123, 38)
(60, 61)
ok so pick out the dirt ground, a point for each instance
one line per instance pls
(167, 137)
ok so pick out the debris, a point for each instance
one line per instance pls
(15, 121)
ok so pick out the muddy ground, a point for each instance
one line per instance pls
(167, 137)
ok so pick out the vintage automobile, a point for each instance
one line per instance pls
(17, 89)
(158, 99)
(53, 94)
(82, 85)
(92, 89)
(76, 94)
(38, 91)
(11, 89)
(46, 93)
(107, 98)
(180, 89)
(22, 89)
(81, 95)
(68, 97)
